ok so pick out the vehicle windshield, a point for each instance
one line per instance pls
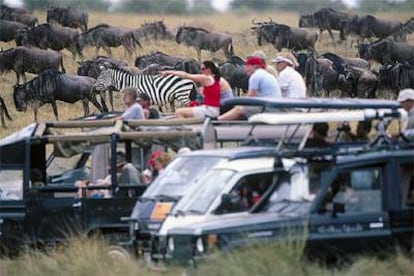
(209, 188)
(180, 175)
(295, 191)
(11, 184)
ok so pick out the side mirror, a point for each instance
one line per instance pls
(227, 203)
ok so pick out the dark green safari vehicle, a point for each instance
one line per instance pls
(355, 199)
(42, 197)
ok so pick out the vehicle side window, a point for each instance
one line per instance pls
(247, 192)
(357, 190)
(407, 184)
(11, 184)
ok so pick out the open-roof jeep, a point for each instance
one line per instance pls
(352, 200)
(42, 205)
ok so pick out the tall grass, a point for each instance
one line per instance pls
(89, 257)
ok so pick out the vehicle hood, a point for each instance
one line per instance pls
(237, 223)
(183, 221)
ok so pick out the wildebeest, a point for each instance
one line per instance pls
(91, 68)
(105, 36)
(9, 29)
(324, 19)
(68, 17)
(397, 76)
(154, 30)
(4, 113)
(369, 26)
(17, 14)
(234, 72)
(202, 39)
(51, 86)
(22, 59)
(354, 62)
(162, 90)
(158, 58)
(283, 36)
(387, 51)
(46, 36)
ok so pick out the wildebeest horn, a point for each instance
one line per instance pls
(254, 23)
(271, 20)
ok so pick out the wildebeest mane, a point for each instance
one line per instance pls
(102, 25)
(194, 29)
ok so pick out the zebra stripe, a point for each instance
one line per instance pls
(161, 89)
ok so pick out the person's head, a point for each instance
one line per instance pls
(363, 128)
(320, 130)
(183, 150)
(260, 54)
(406, 98)
(144, 100)
(129, 95)
(210, 68)
(161, 161)
(252, 64)
(283, 61)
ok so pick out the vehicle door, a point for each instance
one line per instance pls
(350, 214)
(402, 215)
(12, 208)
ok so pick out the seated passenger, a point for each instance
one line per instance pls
(318, 136)
(362, 132)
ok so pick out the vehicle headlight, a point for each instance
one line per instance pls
(200, 245)
(170, 242)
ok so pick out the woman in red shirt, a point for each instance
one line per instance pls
(209, 79)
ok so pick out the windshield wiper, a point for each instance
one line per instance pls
(192, 211)
(166, 197)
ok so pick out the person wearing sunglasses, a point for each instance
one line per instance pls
(209, 79)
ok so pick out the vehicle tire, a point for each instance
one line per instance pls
(118, 253)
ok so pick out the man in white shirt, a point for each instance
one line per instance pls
(291, 82)
(134, 110)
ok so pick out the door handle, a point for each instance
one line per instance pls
(77, 205)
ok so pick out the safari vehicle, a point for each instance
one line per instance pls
(337, 201)
(204, 202)
(41, 205)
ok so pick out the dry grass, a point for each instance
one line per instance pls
(236, 24)
(89, 257)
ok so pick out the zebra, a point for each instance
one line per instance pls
(160, 89)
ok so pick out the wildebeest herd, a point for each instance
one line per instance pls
(38, 51)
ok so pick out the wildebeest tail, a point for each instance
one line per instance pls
(4, 107)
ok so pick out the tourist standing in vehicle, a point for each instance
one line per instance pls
(210, 80)
(269, 68)
(318, 136)
(406, 98)
(134, 110)
(291, 82)
(261, 84)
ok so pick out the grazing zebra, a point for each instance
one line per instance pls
(4, 112)
(160, 89)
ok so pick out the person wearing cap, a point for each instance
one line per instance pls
(406, 98)
(291, 82)
(134, 110)
(268, 68)
(144, 100)
(210, 80)
(261, 84)
(318, 136)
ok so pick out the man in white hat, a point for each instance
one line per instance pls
(406, 98)
(291, 82)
